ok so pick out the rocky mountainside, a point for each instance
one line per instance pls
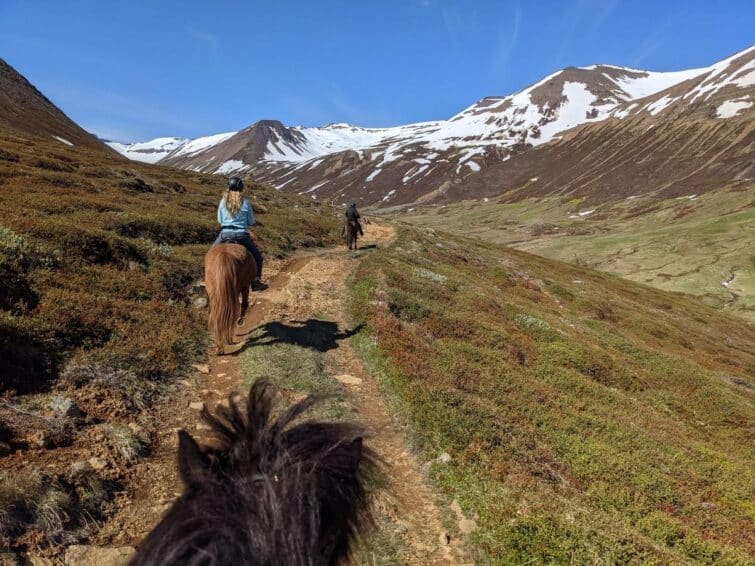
(600, 131)
(25, 110)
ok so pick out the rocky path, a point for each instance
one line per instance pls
(305, 288)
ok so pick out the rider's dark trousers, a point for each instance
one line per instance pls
(241, 237)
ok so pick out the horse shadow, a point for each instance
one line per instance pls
(320, 335)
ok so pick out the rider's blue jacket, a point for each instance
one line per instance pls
(241, 221)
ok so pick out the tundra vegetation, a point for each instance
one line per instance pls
(587, 418)
(99, 263)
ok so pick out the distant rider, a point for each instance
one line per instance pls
(235, 216)
(353, 214)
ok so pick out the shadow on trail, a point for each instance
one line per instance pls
(320, 335)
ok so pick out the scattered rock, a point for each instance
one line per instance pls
(185, 382)
(221, 375)
(707, 505)
(80, 469)
(137, 429)
(202, 426)
(78, 555)
(466, 526)
(347, 379)
(64, 407)
(39, 439)
(196, 288)
(196, 405)
(444, 538)
(97, 463)
(444, 458)
(199, 303)
(201, 368)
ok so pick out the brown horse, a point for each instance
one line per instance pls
(228, 272)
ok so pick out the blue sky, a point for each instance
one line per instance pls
(140, 69)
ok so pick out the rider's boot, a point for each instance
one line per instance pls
(259, 285)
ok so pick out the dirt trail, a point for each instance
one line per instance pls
(303, 288)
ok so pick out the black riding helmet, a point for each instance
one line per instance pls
(235, 184)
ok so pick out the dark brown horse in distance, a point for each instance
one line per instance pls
(228, 273)
(350, 231)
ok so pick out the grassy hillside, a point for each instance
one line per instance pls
(702, 245)
(98, 257)
(589, 419)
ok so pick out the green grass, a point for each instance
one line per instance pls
(590, 419)
(296, 368)
(692, 246)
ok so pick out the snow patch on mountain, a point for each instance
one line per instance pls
(731, 108)
(231, 166)
(653, 82)
(659, 105)
(199, 144)
(63, 140)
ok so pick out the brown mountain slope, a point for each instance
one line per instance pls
(25, 110)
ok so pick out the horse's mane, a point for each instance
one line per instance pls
(269, 491)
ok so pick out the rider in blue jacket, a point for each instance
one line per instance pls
(235, 216)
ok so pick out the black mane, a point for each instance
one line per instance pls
(270, 491)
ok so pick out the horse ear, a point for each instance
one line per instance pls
(353, 454)
(192, 463)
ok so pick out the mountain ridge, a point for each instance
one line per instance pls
(24, 109)
(423, 162)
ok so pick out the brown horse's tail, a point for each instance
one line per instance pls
(223, 296)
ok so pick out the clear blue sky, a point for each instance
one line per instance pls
(139, 69)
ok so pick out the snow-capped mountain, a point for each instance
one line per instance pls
(149, 152)
(425, 161)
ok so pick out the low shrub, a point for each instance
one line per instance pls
(52, 165)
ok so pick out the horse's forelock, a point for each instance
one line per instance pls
(279, 491)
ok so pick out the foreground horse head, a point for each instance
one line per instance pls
(270, 492)
(228, 272)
